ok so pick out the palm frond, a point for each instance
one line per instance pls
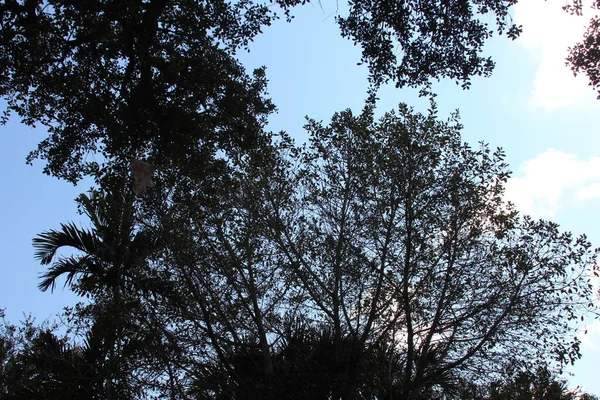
(111, 215)
(71, 266)
(94, 207)
(47, 243)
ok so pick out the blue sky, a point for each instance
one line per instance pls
(545, 119)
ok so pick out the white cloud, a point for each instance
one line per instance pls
(545, 182)
(589, 192)
(549, 31)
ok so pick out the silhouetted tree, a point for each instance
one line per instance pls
(396, 232)
(538, 384)
(158, 79)
(584, 57)
(36, 364)
(107, 267)
(148, 79)
(390, 241)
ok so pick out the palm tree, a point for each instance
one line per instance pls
(104, 251)
(108, 258)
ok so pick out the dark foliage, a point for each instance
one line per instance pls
(124, 79)
(377, 261)
(36, 364)
(413, 43)
(385, 242)
(584, 57)
(158, 79)
(535, 384)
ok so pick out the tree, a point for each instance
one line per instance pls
(36, 364)
(438, 39)
(108, 268)
(381, 256)
(537, 384)
(148, 79)
(158, 79)
(49, 368)
(389, 240)
(397, 233)
(587, 396)
(584, 57)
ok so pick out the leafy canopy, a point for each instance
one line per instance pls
(158, 79)
(379, 255)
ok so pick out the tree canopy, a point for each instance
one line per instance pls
(158, 79)
(535, 384)
(379, 260)
(584, 57)
(148, 79)
(155, 79)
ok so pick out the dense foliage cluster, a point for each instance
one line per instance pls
(159, 78)
(584, 57)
